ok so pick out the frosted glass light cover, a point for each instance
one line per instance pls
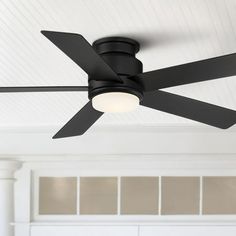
(115, 102)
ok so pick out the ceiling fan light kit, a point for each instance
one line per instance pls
(113, 102)
(117, 83)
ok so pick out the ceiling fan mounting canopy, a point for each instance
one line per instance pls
(116, 82)
(119, 54)
(116, 44)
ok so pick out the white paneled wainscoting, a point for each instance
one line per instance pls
(29, 221)
(133, 230)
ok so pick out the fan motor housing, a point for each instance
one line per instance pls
(119, 54)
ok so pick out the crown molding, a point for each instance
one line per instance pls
(120, 140)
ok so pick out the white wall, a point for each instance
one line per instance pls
(158, 151)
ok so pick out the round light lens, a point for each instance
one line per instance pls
(115, 102)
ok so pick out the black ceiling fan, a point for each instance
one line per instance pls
(116, 82)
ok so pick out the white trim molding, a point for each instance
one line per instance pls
(119, 140)
(7, 169)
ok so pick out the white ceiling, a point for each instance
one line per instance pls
(170, 32)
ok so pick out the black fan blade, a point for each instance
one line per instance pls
(189, 108)
(198, 71)
(42, 89)
(79, 123)
(82, 53)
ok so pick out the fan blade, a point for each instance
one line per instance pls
(198, 71)
(82, 53)
(189, 108)
(42, 89)
(79, 123)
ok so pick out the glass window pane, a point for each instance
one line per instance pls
(219, 195)
(180, 195)
(57, 195)
(98, 195)
(139, 195)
